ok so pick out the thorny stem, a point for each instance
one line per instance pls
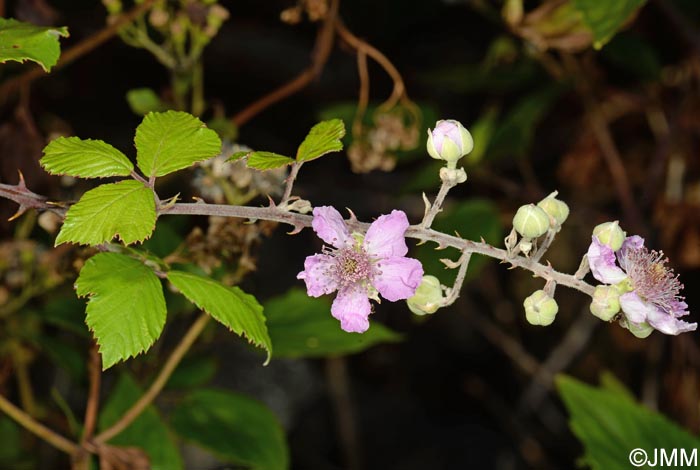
(417, 232)
(290, 182)
(158, 384)
(87, 45)
(299, 221)
(29, 423)
(436, 206)
(459, 280)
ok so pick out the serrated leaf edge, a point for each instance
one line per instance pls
(51, 172)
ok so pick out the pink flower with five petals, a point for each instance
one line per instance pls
(360, 267)
(650, 291)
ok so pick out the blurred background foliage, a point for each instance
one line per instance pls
(596, 99)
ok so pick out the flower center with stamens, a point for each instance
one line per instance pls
(652, 280)
(352, 265)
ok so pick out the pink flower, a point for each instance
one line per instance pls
(359, 267)
(651, 289)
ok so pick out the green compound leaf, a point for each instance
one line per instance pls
(267, 160)
(173, 140)
(238, 311)
(605, 18)
(126, 308)
(610, 424)
(84, 158)
(148, 432)
(323, 138)
(302, 326)
(23, 41)
(126, 209)
(236, 428)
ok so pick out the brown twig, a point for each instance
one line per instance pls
(363, 99)
(606, 143)
(322, 50)
(576, 339)
(95, 375)
(339, 390)
(399, 90)
(29, 423)
(87, 45)
(681, 23)
(168, 368)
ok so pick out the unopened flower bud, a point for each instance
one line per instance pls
(640, 330)
(531, 221)
(449, 141)
(610, 233)
(427, 298)
(540, 308)
(606, 302)
(556, 209)
(453, 176)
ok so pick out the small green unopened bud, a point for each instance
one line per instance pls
(449, 141)
(606, 302)
(427, 298)
(540, 308)
(610, 233)
(531, 221)
(556, 209)
(640, 330)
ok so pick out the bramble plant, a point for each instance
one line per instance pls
(134, 289)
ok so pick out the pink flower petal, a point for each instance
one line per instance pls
(318, 276)
(330, 226)
(352, 308)
(634, 242)
(679, 308)
(385, 237)
(446, 129)
(635, 309)
(601, 259)
(398, 277)
(668, 324)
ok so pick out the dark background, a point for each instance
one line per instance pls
(459, 391)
